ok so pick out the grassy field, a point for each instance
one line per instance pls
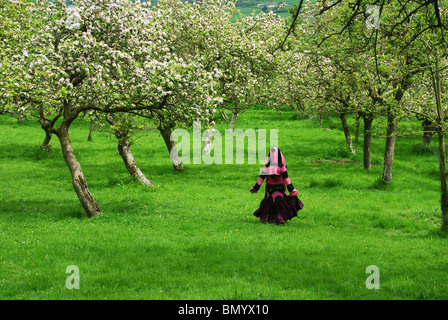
(194, 235)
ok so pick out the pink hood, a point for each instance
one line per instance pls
(275, 164)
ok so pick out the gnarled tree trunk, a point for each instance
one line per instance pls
(79, 182)
(348, 138)
(92, 127)
(128, 158)
(442, 150)
(443, 180)
(124, 149)
(392, 127)
(171, 146)
(48, 127)
(21, 118)
(357, 121)
(208, 141)
(46, 144)
(368, 119)
(224, 115)
(428, 131)
(233, 120)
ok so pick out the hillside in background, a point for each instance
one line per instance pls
(257, 6)
(248, 6)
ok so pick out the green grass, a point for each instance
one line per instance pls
(194, 235)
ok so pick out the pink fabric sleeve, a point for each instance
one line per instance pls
(283, 169)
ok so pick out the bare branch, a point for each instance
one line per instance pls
(296, 15)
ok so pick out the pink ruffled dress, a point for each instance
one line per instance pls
(277, 207)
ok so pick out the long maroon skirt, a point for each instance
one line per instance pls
(280, 210)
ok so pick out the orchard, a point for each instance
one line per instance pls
(96, 92)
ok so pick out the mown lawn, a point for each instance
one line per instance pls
(194, 236)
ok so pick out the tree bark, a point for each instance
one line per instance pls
(124, 149)
(442, 150)
(427, 132)
(357, 119)
(171, 146)
(443, 180)
(21, 118)
(128, 158)
(347, 132)
(92, 127)
(392, 127)
(48, 127)
(46, 144)
(368, 120)
(233, 120)
(79, 182)
(224, 115)
(208, 141)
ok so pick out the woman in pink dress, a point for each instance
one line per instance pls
(277, 207)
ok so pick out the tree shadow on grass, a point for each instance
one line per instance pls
(22, 151)
(51, 210)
